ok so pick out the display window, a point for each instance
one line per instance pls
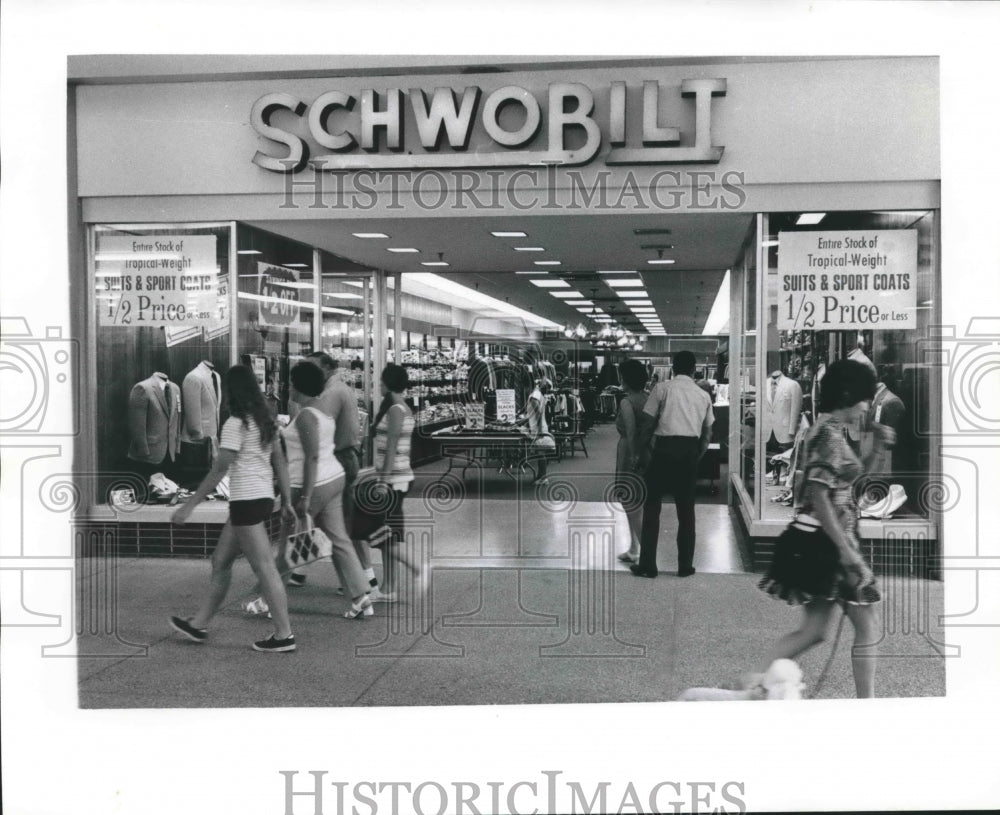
(840, 285)
(162, 331)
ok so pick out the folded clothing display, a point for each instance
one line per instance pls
(884, 508)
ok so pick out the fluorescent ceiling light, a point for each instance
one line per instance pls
(632, 293)
(369, 235)
(643, 310)
(509, 234)
(565, 294)
(529, 249)
(535, 271)
(625, 284)
(548, 263)
(399, 249)
(460, 295)
(247, 252)
(810, 218)
(434, 263)
(646, 302)
(296, 265)
(663, 262)
(579, 302)
(633, 271)
(718, 317)
(550, 284)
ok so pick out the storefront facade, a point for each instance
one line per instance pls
(212, 190)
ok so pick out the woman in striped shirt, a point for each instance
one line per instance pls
(393, 430)
(247, 451)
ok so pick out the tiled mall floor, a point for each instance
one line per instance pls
(526, 605)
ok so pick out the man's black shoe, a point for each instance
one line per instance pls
(686, 572)
(638, 571)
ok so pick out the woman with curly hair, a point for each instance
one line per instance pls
(248, 452)
(832, 468)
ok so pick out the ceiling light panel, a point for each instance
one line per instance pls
(551, 284)
(625, 284)
(565, 294)
(509, 234)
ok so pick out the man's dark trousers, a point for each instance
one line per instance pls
(673, 468)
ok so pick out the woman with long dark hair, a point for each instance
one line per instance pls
(393, 430)
(249, 453)
(832, 468)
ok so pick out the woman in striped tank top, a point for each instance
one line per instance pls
(393, 431)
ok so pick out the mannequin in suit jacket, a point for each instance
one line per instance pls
(886, 409)
(779, 410)
(154, 414)
(202, 390)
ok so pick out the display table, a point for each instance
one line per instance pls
(509, 450)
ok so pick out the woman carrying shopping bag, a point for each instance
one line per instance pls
(317, 487)
(247, 451)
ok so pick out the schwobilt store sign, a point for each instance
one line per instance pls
(343, 131)
(157, 281)
(847, 279)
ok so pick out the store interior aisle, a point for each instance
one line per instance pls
(589, 474)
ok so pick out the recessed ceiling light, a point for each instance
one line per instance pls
(810, 218)
(535, 271)
(643, 310)
(565, 294)
(434, 263)
(630, 292)
(638, 302)
(509, 234)
(551, 284)
(295, 265)
(369, 235)
(529, 249)
(625, 284)
(633, 271)
(548, 263)
(402, 249)
(660, 262)
(247, 252)
(579, 302)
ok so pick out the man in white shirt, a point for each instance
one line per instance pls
(681, 433)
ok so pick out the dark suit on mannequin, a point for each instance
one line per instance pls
(154, 414)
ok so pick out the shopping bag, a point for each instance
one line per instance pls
(307, 544)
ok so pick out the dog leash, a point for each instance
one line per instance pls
(829, 659)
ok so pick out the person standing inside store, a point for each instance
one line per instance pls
(339, 403)
(829, 475)
(249, 453)
(543, 443)
(317, 486)
(681, 431)
(393, 432)
(630, 422)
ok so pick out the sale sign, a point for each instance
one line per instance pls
(847, 279)
(158, 281)
(279, 295)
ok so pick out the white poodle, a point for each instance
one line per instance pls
(783, 680)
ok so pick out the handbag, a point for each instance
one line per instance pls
(307, 545)
(806, 561)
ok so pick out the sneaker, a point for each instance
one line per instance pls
(275, 645)
(378, 596)
(296, 581)
(184, 627)
(256, 607)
